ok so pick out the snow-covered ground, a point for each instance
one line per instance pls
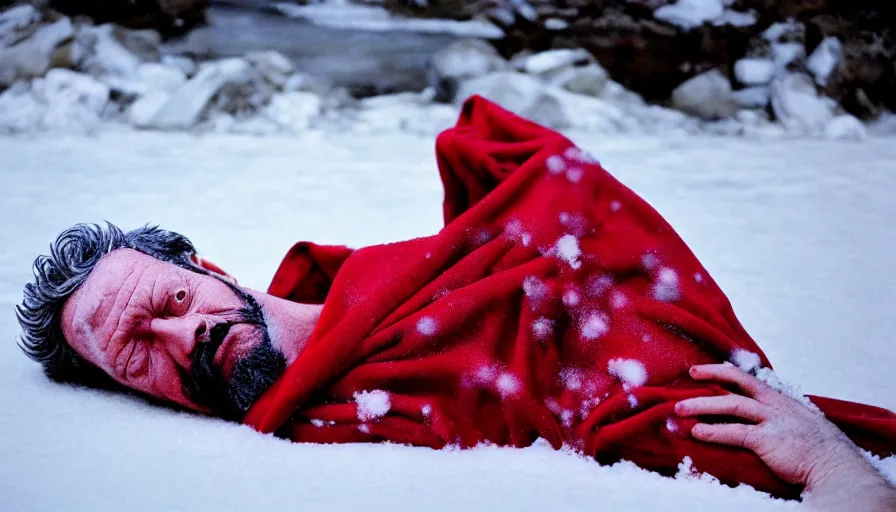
(799, 233)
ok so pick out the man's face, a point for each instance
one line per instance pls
(174, 334)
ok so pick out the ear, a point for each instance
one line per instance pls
(211, 267)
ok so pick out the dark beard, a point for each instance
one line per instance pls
(251, 376)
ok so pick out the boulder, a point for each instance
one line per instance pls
(104, 55)
(752, 97)
(32, 57)
(75, 102)
(20, 110)
(294, 111)
(159, 77)
(588, 80)
(273, 66)
(690, 14)
(185, 64)
(16, 22)
(187, 103)
(463, 60)
(754, 71)
(142, 112)
(798, 106)
(707, 96)
(845, 127)
(522, 94)
(824, 60)
(554, 60)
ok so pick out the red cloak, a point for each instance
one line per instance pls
(555, 303)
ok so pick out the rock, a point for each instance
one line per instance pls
(522, 94)
(169, 16)
(158, 77)
(461, 61)
(14, 23)
(105, 57)
(754, 71)
(797, 105)
(31, 57)
(294, 111)
(142, 112)
(784, 31)
(144, 44)
(555, 24)
(185, 64)
(189, 101)
(786, 53)
(589, 80)
(74, 101)
(707, 96)
(752, 97)
(822, 62)
(689, 14)
(554, 60)
(20, 110)
(306, 83)
(845, 127)
(273, 67)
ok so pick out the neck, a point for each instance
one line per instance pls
(290, 324)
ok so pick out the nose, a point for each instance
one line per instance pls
(179, 336)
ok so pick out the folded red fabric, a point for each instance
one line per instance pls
(555, 303)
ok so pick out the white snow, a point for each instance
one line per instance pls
(542, 328)
(594, 326)
(794, 231)
(629, 371)
(745, 360)
(340, 14)
(689, 14)
(666, 287)
(508, 384)
(754, 71)
(555, 164)
(534, 288)
(427, 326)
(567, 249)
(822, 62)
(372, 404)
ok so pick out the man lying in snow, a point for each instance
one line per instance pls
(555, 303)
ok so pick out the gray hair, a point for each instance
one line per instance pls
(72, 257)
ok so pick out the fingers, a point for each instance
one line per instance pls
(727, 373)
(730, 405)
(731, 434)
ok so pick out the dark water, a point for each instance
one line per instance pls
(364, 61)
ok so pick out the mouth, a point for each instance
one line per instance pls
(231, 349)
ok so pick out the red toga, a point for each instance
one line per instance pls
(555, 303)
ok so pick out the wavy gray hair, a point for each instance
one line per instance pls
(72, 257)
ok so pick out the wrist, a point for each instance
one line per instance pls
(838, 463)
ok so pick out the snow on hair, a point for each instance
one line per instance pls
(72, 257)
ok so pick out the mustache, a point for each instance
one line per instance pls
(250, 377)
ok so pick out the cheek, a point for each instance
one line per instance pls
(163, 380)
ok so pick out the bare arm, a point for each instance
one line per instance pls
(798, 444)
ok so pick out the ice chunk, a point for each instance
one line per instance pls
(372, 404)
(824, 59)
(754, 71)
(689, 14)
(629, 371)
(427, 326)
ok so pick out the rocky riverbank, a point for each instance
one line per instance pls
(253, 67)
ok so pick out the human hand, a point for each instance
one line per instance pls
(797, 443)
